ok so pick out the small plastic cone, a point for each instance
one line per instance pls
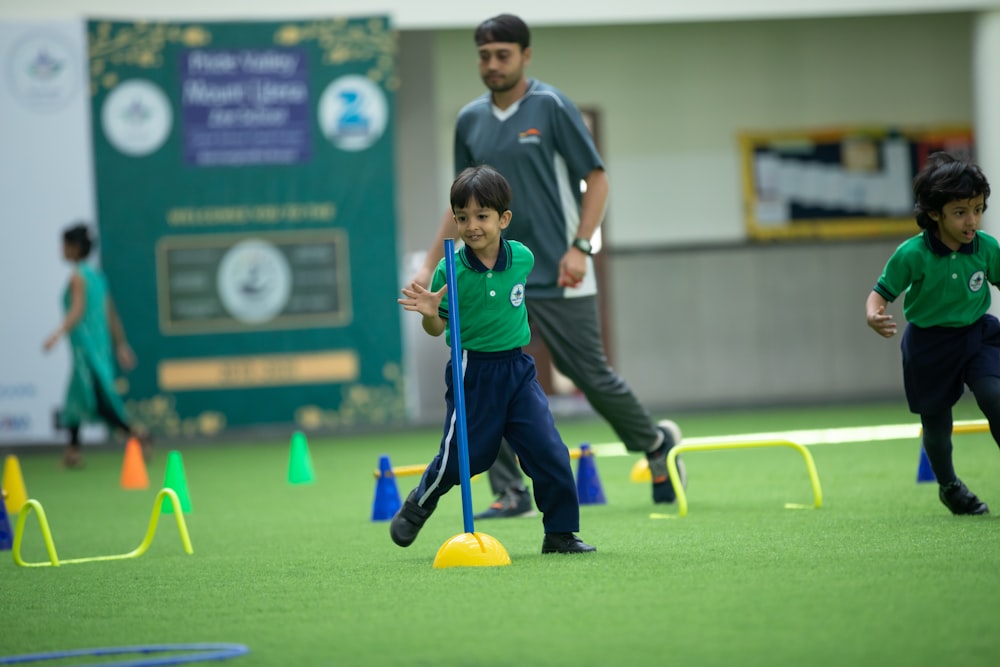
(6, 534)
(176, 479)
(588, 482)
(13, 484)
(134, 474)
(640, 471)
(387, 501)
(300, 467)
(924, 471)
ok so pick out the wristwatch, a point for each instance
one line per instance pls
(583, 245)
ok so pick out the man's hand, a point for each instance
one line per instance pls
(572, 268)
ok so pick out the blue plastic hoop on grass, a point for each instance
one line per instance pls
(204, 652)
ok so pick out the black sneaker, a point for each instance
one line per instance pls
(406, 525)
(957, 497)
(565, 543)
(663, 490)
(511, 503)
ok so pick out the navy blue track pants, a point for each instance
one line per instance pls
(504, 400)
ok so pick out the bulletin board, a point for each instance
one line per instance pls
(843, 183)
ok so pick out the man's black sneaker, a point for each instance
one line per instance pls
(663, 490)
(957, 497)
(511, 503)
(565, 543)
(406, 525)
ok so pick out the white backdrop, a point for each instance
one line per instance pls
(45, 184)
(434, 14)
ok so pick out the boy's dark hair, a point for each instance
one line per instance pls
(943, 179)
(503, 28)
(484, 184)
(78, 235)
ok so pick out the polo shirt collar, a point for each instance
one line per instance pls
(503, 258)
(941, 250)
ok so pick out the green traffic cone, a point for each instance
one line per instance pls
(300, 467)
(176, 480)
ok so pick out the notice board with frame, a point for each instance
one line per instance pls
(842, 183)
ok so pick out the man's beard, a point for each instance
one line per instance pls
(501, 85)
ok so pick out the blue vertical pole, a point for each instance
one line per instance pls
(458, 384)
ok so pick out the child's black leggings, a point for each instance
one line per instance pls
(106, 412)
(937, 427)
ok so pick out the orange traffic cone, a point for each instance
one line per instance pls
(134, 466)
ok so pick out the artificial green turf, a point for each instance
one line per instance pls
(882, 574)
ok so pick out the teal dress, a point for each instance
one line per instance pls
(93, 365)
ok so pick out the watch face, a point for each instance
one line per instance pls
(582, 245)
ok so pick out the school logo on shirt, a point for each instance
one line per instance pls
(977, 281)
(529, 136)
(517, 295)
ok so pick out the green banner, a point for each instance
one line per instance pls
(245, 189)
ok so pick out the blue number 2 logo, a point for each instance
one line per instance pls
(351, 120)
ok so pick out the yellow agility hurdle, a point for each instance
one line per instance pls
(135, 553)
(418, 469)
(675, 480)
(969, 427)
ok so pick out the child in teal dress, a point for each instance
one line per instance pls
(96, 337)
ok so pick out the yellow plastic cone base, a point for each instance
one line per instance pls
(471, 550)
(640, 471)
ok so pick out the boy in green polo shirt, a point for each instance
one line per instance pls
(950, 340)
(502, 396)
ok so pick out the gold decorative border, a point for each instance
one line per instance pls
(114, 44)
(361, 405)
(343, 40)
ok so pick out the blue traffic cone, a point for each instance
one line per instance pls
(6, 534)
(588, 482)
(924, 471)
(387, 501)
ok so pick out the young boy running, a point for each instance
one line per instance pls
(503, 398)
(946, 273)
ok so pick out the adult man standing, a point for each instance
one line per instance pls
(535, 136)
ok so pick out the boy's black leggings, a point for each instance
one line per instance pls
(937, 428)
(106, 412)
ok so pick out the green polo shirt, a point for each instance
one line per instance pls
(491, 309)
(944, 287)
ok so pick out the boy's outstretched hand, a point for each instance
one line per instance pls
(420, 300)
(882, 324)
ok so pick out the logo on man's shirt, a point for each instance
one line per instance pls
(977, 281)
(517, 295)
(529, 136)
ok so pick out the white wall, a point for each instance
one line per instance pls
(675, 96)
(45, 184)
(411, 14)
